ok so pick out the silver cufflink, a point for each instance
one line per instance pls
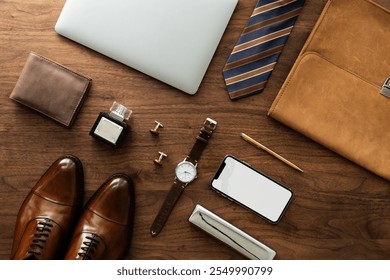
(159, 160)
(155, 129)
(386, 88)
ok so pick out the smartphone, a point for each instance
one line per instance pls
(241, 183)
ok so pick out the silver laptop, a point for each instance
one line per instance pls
(170, 40)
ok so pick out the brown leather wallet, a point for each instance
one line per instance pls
(51, 89)
(333, 93)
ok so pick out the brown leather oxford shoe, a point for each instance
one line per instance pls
(106, 223)
(48, 213)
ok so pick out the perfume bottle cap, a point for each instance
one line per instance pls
(120, 112)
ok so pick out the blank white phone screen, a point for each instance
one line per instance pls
(252, 189)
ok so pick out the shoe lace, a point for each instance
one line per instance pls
(90, 246)
(41, 236)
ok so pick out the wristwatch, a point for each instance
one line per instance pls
(185, 173)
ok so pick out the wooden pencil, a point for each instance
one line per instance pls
(264, 148)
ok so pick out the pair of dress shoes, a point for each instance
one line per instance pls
(52, 224)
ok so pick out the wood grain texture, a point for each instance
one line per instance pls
(339, 211)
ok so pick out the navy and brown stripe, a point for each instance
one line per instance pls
(259, 46)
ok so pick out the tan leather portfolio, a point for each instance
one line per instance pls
(333, 92)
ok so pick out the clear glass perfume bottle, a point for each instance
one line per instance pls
(112, 127)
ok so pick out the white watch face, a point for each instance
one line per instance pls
(185, 172)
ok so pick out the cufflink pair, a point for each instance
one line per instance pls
(111, 128)
(155, 131)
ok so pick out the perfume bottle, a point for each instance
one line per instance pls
(111, 127)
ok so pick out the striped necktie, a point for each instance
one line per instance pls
(259, 46)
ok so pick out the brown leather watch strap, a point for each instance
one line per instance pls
(178, 187)
(166, 209)
(201, 140)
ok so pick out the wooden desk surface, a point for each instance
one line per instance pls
(340, 210)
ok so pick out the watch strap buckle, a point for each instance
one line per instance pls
(211, 123)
